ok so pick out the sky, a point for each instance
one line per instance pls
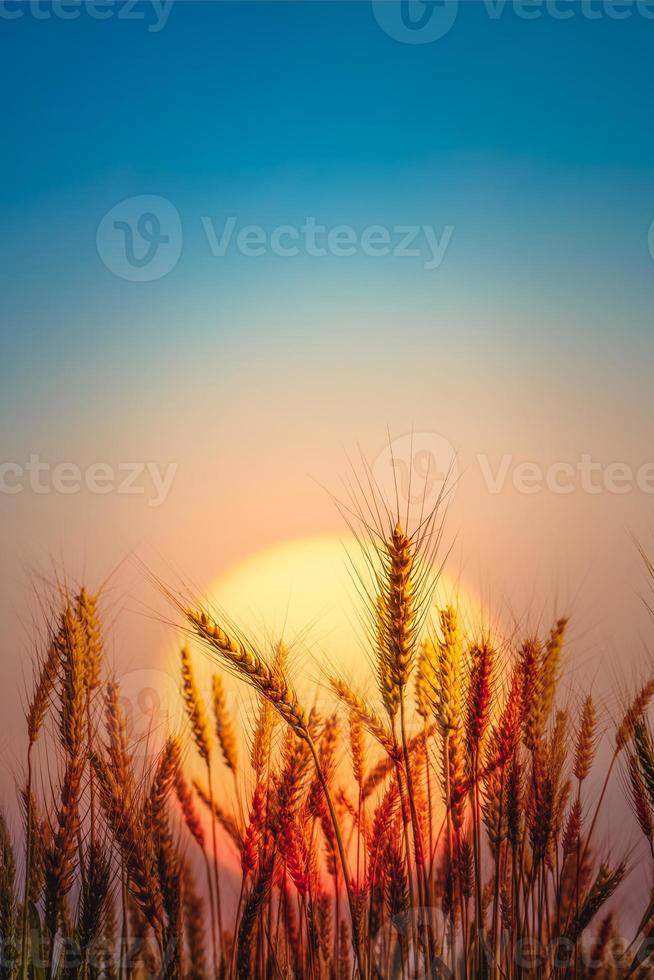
(243, 242)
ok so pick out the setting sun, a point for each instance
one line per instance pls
(303, 592)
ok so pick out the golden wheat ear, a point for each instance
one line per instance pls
(586, 740)
(364, 713)
(241, 658)
(44, 685)
(195, 708)
(223, 724)
(89, 620)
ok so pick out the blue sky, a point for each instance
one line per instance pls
(532, 139)
(311, 107)
(247, 87)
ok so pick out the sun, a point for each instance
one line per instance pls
(301, 592)
(307, 592)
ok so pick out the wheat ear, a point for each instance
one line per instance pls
(269, 681)
(224, 728)
(362, 710)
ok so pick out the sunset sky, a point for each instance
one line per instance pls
(524, 146)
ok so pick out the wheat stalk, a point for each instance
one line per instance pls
(60, 854)
(194, 825)
(195, 967)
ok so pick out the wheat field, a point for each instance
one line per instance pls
(442, 828)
